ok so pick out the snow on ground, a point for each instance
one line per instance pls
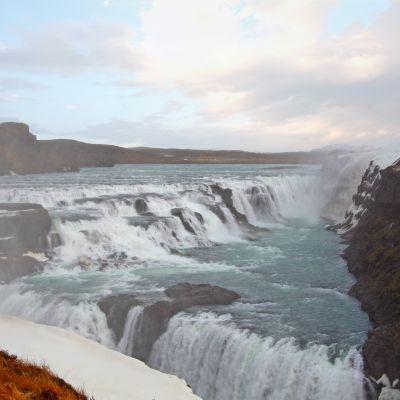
(102, 373)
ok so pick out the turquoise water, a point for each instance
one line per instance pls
(291, 278)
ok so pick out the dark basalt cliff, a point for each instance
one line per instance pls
(22, 153)
(373, 256)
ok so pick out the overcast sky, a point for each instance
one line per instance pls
(255, 75)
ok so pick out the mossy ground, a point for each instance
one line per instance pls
(21, 380)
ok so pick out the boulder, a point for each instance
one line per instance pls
(155, 317)
(15, 267)
(23, 227)
(116, 308)
(188, 294)
(141, 206)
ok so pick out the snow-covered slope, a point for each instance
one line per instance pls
(100, 372)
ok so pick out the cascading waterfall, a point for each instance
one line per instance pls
(94, 222)
(101, 222)
(84, 318)
(220, 361)
(129, 338)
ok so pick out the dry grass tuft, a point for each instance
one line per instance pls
(21, 380)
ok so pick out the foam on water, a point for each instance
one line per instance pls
(84, 317)
(94, 216)
(220, 361)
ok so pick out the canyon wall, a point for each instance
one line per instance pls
(372, 228)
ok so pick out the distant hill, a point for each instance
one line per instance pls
(22, 153)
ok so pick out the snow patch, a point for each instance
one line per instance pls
(102, 373)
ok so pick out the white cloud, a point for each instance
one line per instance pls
(272, 66)
(71, 107)
(72, 48)
(262, 74)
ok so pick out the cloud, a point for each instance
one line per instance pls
(14, 89)
(262, 75)
(72, 48)
(272, 65)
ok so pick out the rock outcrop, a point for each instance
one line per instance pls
(372, 228)
(22, 153)
(23, 232)
(180, 213)
(154, 317)
(251, 231)
(116, 308)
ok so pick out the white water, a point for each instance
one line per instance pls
(105, 225)
(94, 216)
(130, 338)
(84, 318)
(220, 361)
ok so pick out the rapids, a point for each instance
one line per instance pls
(295, 332)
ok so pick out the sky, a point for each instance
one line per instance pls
(257, 75)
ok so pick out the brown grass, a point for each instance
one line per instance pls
(21, 380)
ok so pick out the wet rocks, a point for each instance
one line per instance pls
(141, 206)
(116, 308)
(216, 209)
(180, 213)
(23, 231)
(155, 317)
(373, 256)
(188, 294)
(16, 266)
(226, 196)
(25, 225)
(382, 351)
(250, 231)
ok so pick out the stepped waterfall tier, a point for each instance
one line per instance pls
(222, 275)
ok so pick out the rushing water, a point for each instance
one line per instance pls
(293, 335)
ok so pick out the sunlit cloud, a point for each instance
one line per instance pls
(269, 71)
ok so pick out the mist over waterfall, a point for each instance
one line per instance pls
(126, 234)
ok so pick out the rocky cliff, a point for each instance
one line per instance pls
(22, 153)
(372, 227)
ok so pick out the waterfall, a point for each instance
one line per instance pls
(130, 339)
(118, 227)
(222, 362)
(84, 318)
